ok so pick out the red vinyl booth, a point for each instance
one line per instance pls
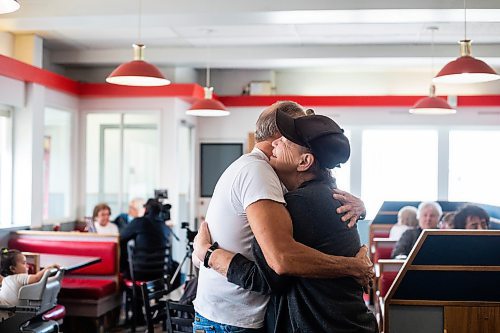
(90, 291)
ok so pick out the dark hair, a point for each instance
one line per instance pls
(98, 208)
(469, 210)
(153, 207)
(9, 259)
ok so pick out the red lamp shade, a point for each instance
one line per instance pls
(208, 107)
(432, 105)
(137, 72)
(466, 69)
(8, 6)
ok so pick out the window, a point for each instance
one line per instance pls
(473, 166)
(122, 158)
(5, 167)
(57, 164)
(398, 165)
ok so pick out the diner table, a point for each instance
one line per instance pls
(67, 262)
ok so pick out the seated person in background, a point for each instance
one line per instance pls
(407, 219)
(135, 209)
(428, 214)
(100, 216)
(149, 232)
(446, 221)
(14, 271)
(472, 218)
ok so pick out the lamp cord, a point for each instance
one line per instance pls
(139, 23)
(465, 21)
(433, 29)
(208, 58)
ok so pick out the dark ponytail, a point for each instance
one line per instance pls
(9, 260)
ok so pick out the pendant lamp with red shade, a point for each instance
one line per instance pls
(138, 72)
(208, 107)
(432, 105)
(466, 68)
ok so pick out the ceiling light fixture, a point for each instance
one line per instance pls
(9, 6)
(208, 107)
(466, 68)
(432, 105)
(138, 72)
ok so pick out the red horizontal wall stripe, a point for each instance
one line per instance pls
(484, 100)
(321, 100)
(21, 71)
(111, 90)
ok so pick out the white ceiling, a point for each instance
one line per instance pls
(260, 34)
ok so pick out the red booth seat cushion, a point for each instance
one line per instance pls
(107, 251)
(382, 253)
(56, 313)
(386, 280)
(86, 288)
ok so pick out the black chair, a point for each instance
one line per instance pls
(144, 266)
(180, 317)
(153, 298)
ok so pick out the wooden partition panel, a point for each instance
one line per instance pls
(466, 319)
(456, 271)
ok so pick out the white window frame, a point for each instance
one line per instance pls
(83, 147)
(6, 179)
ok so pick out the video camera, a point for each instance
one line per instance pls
(190, 234)
(161, 196)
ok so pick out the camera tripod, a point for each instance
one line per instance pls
(188, 255)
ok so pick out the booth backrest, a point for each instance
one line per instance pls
(385, 282)
(106, 250)
(382, 248)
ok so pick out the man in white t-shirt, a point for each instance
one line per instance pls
(248, 202)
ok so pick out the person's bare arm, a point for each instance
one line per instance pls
(34, 278)
(272, 227)
(352, 207)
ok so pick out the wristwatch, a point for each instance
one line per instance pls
(209, 252)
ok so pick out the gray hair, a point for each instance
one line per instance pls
(266, 128)
(425, 204)
(408, 216)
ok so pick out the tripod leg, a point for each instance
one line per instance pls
(177, 271)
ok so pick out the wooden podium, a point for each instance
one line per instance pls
(449, 283)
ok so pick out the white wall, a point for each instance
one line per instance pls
(6, 44)
(339, 82)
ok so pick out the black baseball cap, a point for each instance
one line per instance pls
(320, 134)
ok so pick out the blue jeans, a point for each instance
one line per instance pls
(203, 325)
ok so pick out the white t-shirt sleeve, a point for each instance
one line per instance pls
(22, 279)
(257, 181)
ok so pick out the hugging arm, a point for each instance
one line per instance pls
(272, 227)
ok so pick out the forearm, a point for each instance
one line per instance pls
(300, 260)
(219, 261)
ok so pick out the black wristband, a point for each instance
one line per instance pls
(209, 252)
